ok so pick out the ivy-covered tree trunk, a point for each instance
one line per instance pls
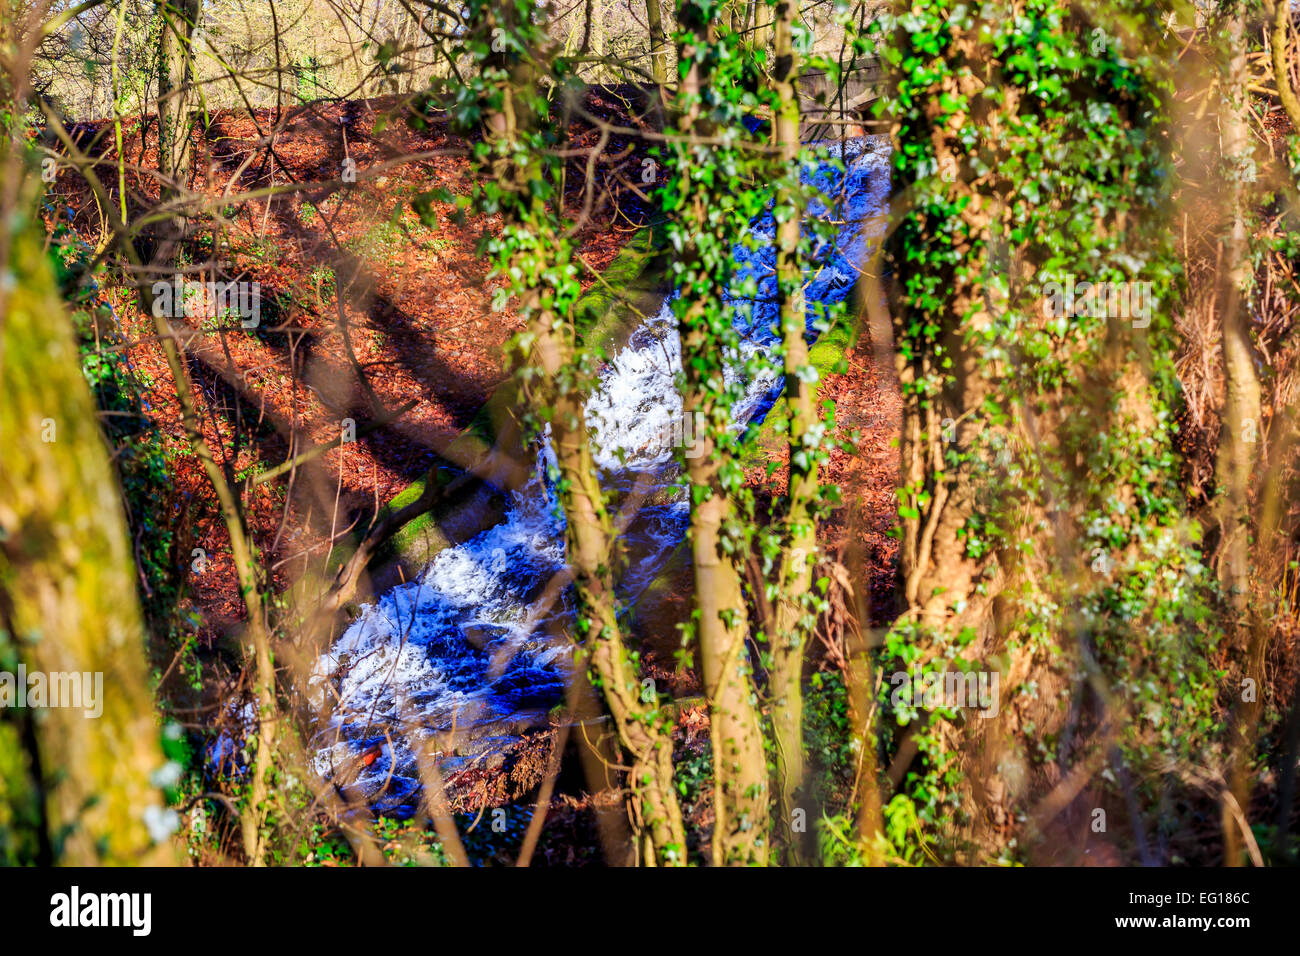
(67, 594)
(644, 733)
(792, 616)
(703, 238)
(943, 303)
(1039, 490)
(947, 255)
(538, 256)
(722, 626)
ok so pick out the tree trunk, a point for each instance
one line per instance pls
(1238, 439)
(793, 617)
(740, 769)
(740, 786)
(999, 486)
(180, 18)
(658, 44)
(67, 588)
(1238, 453)
(1281, 64)
(642, 731)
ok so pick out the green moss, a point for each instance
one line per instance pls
(630, 289)
(766, 441)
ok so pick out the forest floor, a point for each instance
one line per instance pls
(364, 310)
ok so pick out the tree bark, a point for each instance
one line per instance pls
(658, 44)
(740, 786)
(180, 18)
(643, 733)
(1238, 454)
(792, 616)
(67, 588)
(1238, 439)
(1281, 65)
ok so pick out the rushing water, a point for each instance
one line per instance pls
(468, 645)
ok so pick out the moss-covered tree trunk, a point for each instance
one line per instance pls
(67, 586)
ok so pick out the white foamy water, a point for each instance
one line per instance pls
(466, 645)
